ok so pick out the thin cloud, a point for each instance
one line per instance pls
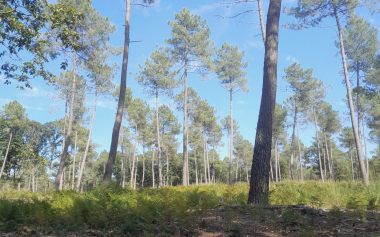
(240, 102)
(255, 44)
(290, 58)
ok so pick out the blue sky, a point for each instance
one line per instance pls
(312, 48)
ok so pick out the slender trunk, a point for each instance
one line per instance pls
(352, 165)
(351, 105)
(134, 156)
(246, 170)
(75, 151)
(324, 163)
(208, 164)
(271, 170)
(299, 150)
(137, 162)
(328, 156)
(213, 165)
(275, 159)
(167, 168)
(158, 142)
(278, 163)
(120, 107)
(122, 158)
(332, 160)
(185, 168)
(6, 154)
(365, 148)
(293, 137)
(68, 135)
(237, 169)
(319, 150)
(143, 174)
(231, 138)
(204, 156)
(196, 168)
(259, 185)
(88, 141)
(33, 179)
(261, 20)
(153, 168)
(358, 98)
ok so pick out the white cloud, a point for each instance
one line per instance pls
(205, 8)
(4, 101)
(290, 58)
(240, 102)
(35, 92)
(256, 44)
(106, 104)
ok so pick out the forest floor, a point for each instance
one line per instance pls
(261, 221)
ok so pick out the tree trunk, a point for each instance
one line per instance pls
(137, 162)
(231, 138)
(119, 115)
(143, 174)
(261, 20)
(299, 150)
(158, 142)
(328, 157)
(122, 158)
(133, 161)
(88, 141)
(319, 150)
(185, 168)
(278, 163)
(153, 168)
(291, 177)
(204, 156)
(332, 160)
(351, 105)
(324, 163)
(75, 151)
(276, 158)
(208, 163)
(68, 135)
(259, 185)
(352, 165)
(365, 148)
(213, 165)
(271, 170)
(167, 168)
(196, 167)
(6, 154)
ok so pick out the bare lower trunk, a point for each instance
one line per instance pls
(259, 185)
(324, 163)
(158, 142)
(332, 160)
(196, 168)
(276, 158)
(293, 138)
(143, 174)
(213, 165)
(68, 135)
(75, 151)
(153, 182)
(352, 165)
(204, 157)
(185, 167)
(365, 148)
(351, 105)
(271, 170)
(299, 150)
(319, 150)
(134, 158)
(122, 158)
(328, 156)
(231, 138)
(88, 142)
(208, 164)
(137, 162)
(167, 169)
(6, 154)
(119, 114)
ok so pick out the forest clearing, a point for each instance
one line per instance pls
(311, 208)
(219, 130)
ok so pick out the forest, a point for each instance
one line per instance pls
(176, 165)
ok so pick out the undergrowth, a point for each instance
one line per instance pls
(169, 210)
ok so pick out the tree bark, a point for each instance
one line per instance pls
(185, 168)
(231, 138)
(137, 162)
(158, 142)
(276, 158)
(365, 148)
(75, 151)
(208, 163)
(259, 185)
(293, 135)
(167, 168)
(119, 114)
(88, 141)
(143, 174)
(134, 158)
(122, 158)
(213, 165)
(352, 165)
(351, 105)
(204, 156)
(299, 150)
(6, 154)
(319, 150)
(153, 168)
(328, 156)
(196, 168)
(68, 135)
(261, 20)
